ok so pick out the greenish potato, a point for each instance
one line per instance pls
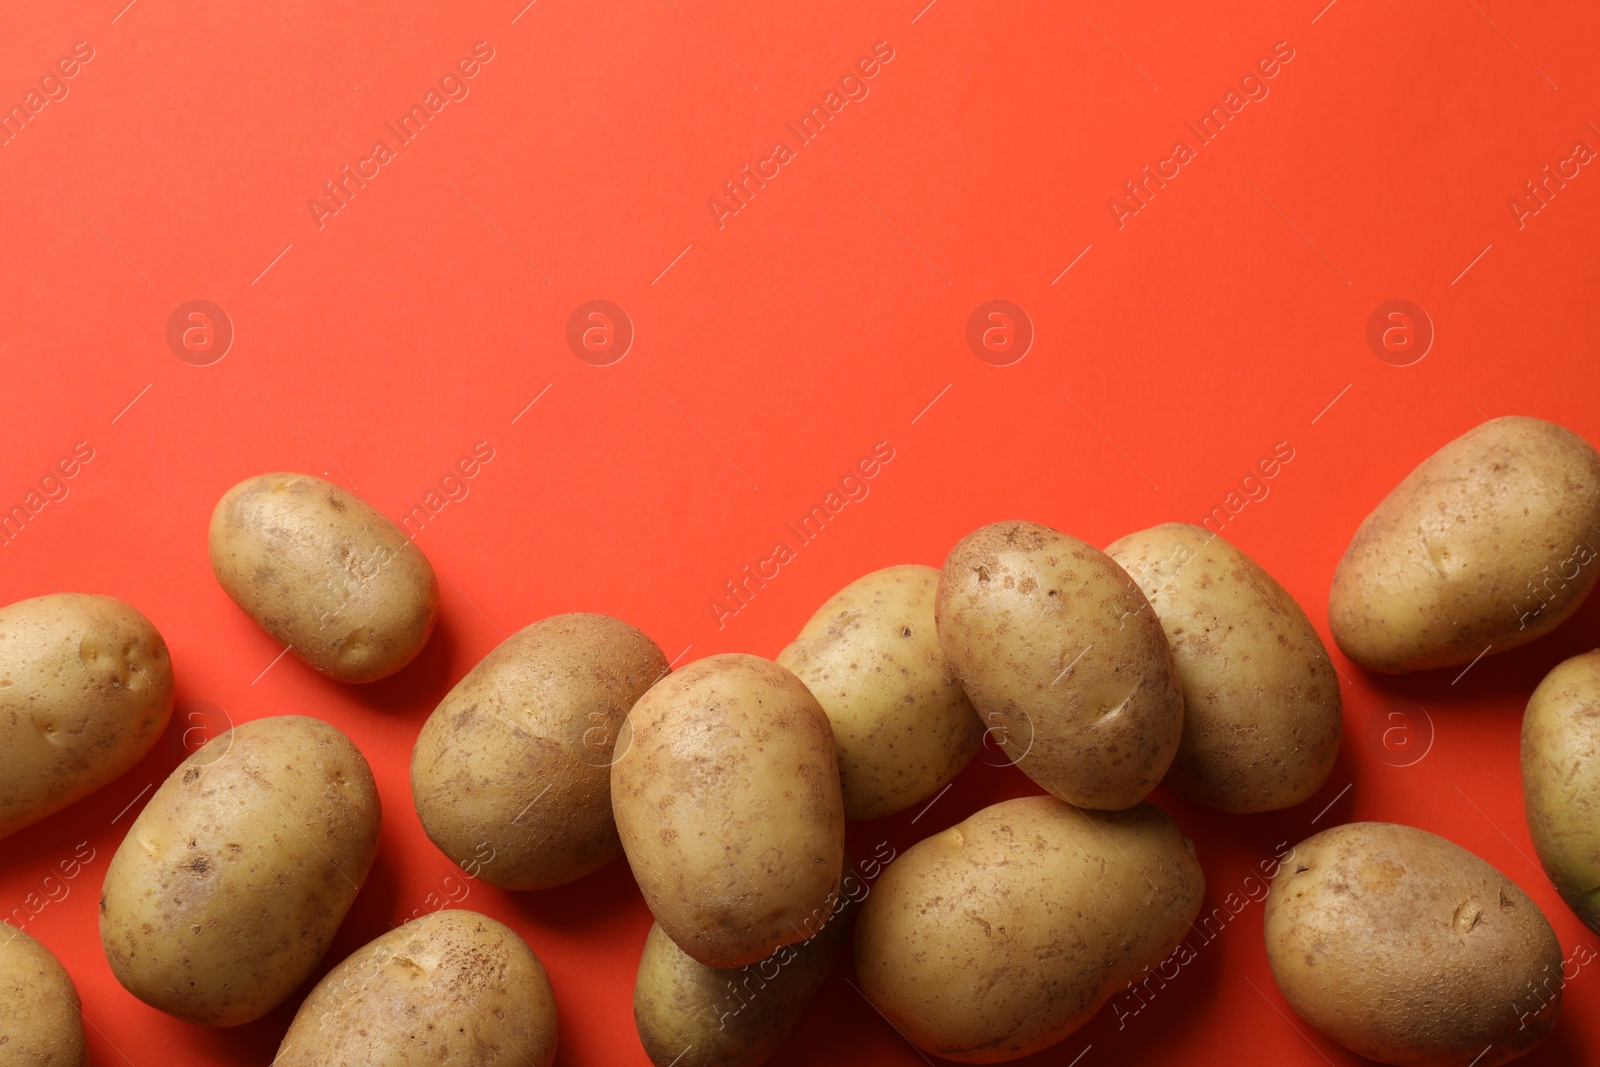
(1561, 781)
(41, 1020)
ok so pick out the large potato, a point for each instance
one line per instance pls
(512, 773)
(85, 691)
(1408, 949)
(1488, 544)
(727, 801)
(451, 989)
(41, 1022)
(325, 573)
(231, 882)
(1561, 781)
(1261, 708)
(1007, 932)
(902, 723)
(1064, 660)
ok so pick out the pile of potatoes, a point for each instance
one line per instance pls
(1169, 658)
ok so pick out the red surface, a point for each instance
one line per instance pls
(770, 354)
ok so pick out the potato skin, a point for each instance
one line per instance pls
(325, 573)
(902, 723)
(1489, 543)
(41, 1020)
(1064, 660)
(451, 989)
(85, 691)
(1261, 707)
(1005, 933)
(1408, 949)
(1561, 780)
(233, 879)
(512, 772)
(728, 805)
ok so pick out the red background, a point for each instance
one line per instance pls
(770, 354)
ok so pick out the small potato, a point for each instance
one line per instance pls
(231, 882)
(512, 772)
(1488, 544)
(1005, 933)
(1065, 662)
(1561, 781)
(1261, 707)
(85, 691)
(727, 801)
(902, 723)
(451, 989)
(1408, 949)
(41, 1021)
(325, 573)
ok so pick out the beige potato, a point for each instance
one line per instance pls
(85, 691)
(451, 989)
(902, 723)
(1007, 932)
(41, 1021)
(1261, 707)
(1561, 781)
(512, 772)
(1487, 545)
(1408, 949)
(1064, 660)
(232, 881)
(325, 573)
(728, 805)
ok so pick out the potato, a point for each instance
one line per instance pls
(41, 1022)
(1561, 781)
(1007, 932)
(691, 1015)
(325, 573)
(1064, 660)
(451, 989)
(1408, 949)
(85, 691)
(512, 773)
(727, 801)
(1485, 546)
(1261, 707)
(231, 882)
(902, 723)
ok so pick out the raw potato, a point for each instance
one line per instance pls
(85, 691)
(1487, 545)
(231, 882)
(1408, 949)
(1064, 660)
(727, 801)
(1561, 781)
(41, 1021)
(512, 773)
(1261, 707)
(1007, 932)
(451, 989)
(325, 573)
(902, 723)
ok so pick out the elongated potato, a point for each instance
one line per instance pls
(41, 1021)
(1561, 781)
(232, 881)
(325, 573)
(85, 691)
(728, 805)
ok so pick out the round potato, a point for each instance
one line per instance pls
(1410, 950)
(727, 800)
(41, 1021)
(902, 723)
(325, 573)
(1561, 781)
(1064, 660)
(1261, 708)
(85, 691)
(512, 773)
(231, 882)
(1488, 544)
(1007, 932)
(451, 989)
